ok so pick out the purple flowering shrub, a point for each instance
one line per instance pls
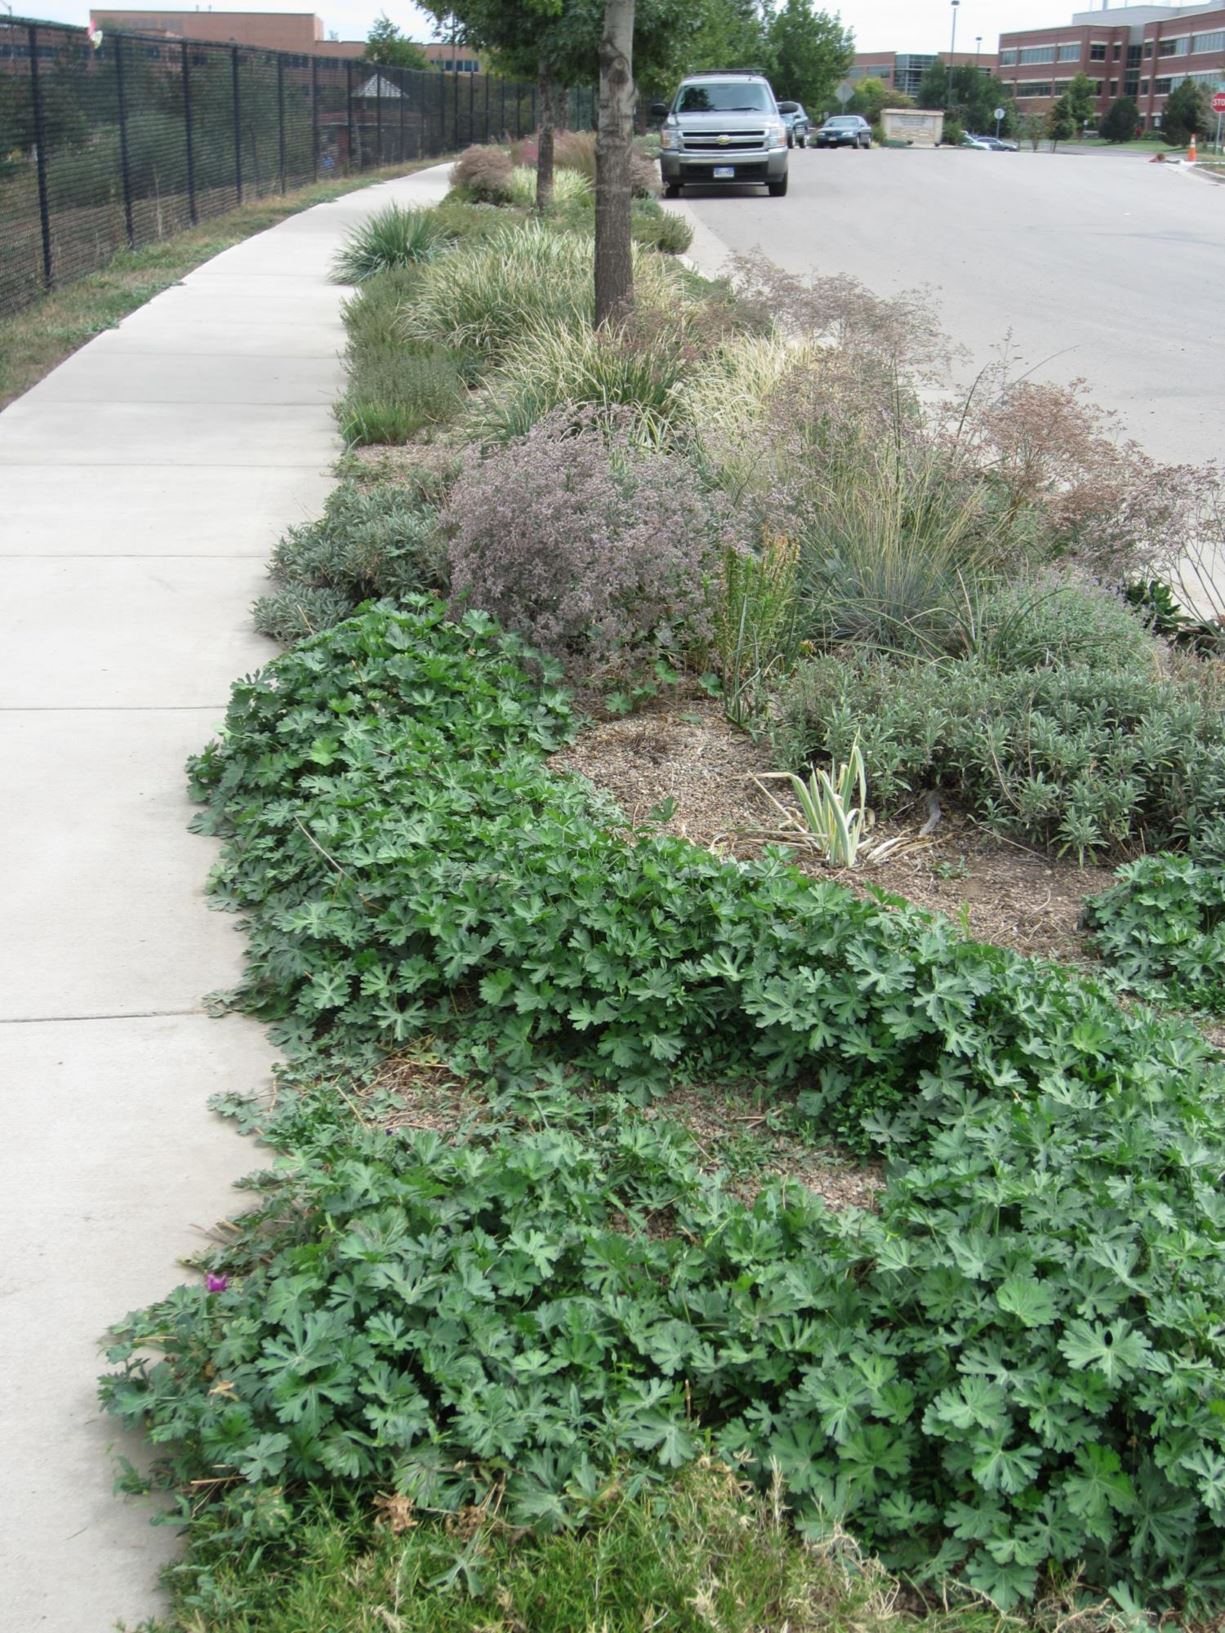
(595, 550)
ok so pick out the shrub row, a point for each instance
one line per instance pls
(1088, 760)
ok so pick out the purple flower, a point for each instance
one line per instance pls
(216, 1284)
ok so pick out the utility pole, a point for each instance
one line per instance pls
(948, 96)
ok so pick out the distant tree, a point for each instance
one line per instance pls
(934, 86)
(1060, 124)
(730, 34)
(1033, 129)
(968, 92)
(1080, 101)
(386, 44)
(872, 96)
(1121, 121)
(1186, 113)
(975, 97)
(809, 52)
(559, 44)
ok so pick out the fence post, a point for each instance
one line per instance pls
(535, 120)
(400, 87)
(485, 137)
(315, 118)
(378, 115)
(237, 124)
(455, 111)
(124, 165)
(280, 114)
(352, 129)
(189, 137)
(472, 107)
(40, 157)
(502, 131)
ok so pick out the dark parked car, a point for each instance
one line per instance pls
(843, 130)
(797, 122)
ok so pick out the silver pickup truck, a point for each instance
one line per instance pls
(722, 127)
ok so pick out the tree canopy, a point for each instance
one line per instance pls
(385, 43)
(973, 95)
(1186, 113)
(1121, 121)
(872, 96)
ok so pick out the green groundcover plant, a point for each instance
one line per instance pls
(1162, 927)
(1015, 1367)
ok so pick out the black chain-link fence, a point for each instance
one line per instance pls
(111, 141)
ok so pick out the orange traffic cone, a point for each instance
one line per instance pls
(1191, 150)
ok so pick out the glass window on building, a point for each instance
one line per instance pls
(1133, 56)
(1213, 41)
(1131, 87)
(1032, 87)
(1162, 86)
(1007, 58)
(1070, 53)
(1165, 48)
(1097, 51)
(1037, 53)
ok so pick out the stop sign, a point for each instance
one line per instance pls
(1218, 102)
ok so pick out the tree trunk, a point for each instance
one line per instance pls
(614, 266)
(544, 139)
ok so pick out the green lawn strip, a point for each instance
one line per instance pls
(1011, 1371)
(36, 339)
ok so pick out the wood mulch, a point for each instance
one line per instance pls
(688, 752)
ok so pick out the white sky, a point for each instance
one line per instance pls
(878, 25)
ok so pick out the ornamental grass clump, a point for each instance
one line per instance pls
(594, 550)
(521, 279)
(483, 174)
(602, 370)
(570, 188)
(393, 237)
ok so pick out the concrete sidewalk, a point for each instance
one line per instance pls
(142, 486)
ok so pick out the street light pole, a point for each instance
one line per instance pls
(948, 100)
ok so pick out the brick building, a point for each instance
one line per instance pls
(300, 32)
(903, 70)
(1140, 51)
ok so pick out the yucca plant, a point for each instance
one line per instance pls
(393, 237)
(825, 802)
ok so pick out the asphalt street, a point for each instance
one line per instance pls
(1099, 266)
